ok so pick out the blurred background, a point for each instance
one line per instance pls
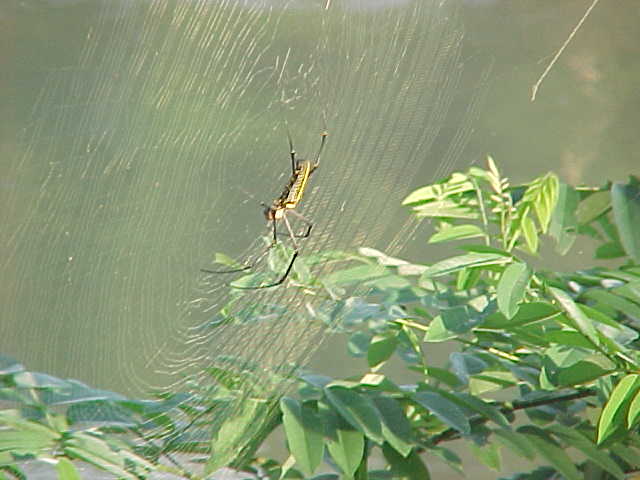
(138, 138)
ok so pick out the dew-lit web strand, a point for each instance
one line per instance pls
(175, 139)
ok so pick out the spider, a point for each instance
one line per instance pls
(286, 203)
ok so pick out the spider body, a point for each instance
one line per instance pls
(287, 202)
(293, 192)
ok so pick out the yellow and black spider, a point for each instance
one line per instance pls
(287, 202)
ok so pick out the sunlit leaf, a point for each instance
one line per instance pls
(454, 264)
(446, 209)
(634, 410)
(456, 232)
(530, 233)
(614, 414)
(511, 288)
(67, 470)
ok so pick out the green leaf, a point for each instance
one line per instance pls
(359, 274)
(483, 408)
(449, 457)
(627, 307)
(583, 323)
(358, 410)
(527, 313)
(579, 373)
(381, 349)
(447, 411)
(593, 206)
(629, 455)
(67, 470)
(634, 410)
(95, 451)
(304, 437)
(530, 233)
(511, 288)
(488, 455)
(347, 450)
(581, 442)
(551, 451)
(516, 442)
(609, 250)
(403, 467)
(454, 264)
(563, 222)
(446, 209)
(625, 200)
(614, 413)
(396, 428)
(456, 232)
(236, 432)
(437, 331)
(456, 184)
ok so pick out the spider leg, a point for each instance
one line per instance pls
(291, 262)
(277, 282)
(253, 263)
(305, 220)
(292, 151)
(322, 142)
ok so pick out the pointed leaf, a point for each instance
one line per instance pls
(381, 349)
(303, 435)
(356, 409)
(456, 232)
(396, 428)
(615, 411)
(625, 200)
(409, 468)
(347, 450)
(584, 444)
(583, 323)
(67, 470)
(551, 451)
(447, 411)
(454, 264)
(511, 288)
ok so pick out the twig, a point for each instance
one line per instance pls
(452, 433)
(534, 90)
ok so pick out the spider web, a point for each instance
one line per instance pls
(158, 129)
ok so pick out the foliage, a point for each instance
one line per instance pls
(543, 364)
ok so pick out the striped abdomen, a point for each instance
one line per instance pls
(299, 183)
